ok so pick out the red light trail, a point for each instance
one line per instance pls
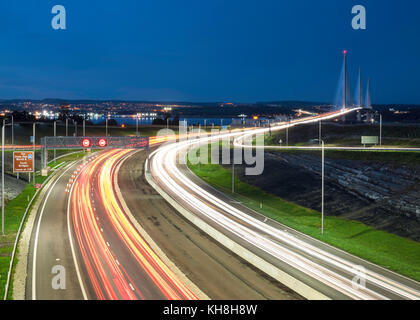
(107, 274)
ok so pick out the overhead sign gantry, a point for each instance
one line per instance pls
(124, 142)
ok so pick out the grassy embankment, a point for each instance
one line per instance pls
(14, 211)
(390, 251)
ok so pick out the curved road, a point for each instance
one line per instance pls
(90, 235)
(324, 268)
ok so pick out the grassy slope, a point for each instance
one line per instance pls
(393, 252)
(14, 211)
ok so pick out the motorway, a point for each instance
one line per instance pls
(88, 232)
(50, 245)
(321, 267)
(103, 255)
(214, 269)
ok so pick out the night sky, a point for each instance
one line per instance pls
(207, 50)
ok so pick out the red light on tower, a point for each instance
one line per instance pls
(344, 52)
(86, 143)
(102, 143)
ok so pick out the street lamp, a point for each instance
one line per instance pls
(3, 131)
(33, 129)
(13, 132)
(320, 131)
(137, 124)
(380, 130)
(323, 183)
(55, 134)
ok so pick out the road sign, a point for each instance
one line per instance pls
(23, 161)
(370, 140)
(86, 143)
(124, 142)
(102, 143)
(31, 139)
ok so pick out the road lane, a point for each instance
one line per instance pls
(50, 245)
(326, 269)
(118, 263)
(213, 268)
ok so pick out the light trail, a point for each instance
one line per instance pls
(327, 268)
(107, 274)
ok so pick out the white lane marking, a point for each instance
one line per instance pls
(76, 265)
(37, 234)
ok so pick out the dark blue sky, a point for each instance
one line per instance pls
(214, 50)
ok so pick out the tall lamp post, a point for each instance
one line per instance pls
(33, 143)
(322, 183)
(233, 167)
(320, 131)
(55, 134)
(13, 132)
(137, 124)
(3, 133)
(380, 130)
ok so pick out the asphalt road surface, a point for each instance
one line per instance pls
(50, 245)
(86, 232)
(214, 269)
(324, 268)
